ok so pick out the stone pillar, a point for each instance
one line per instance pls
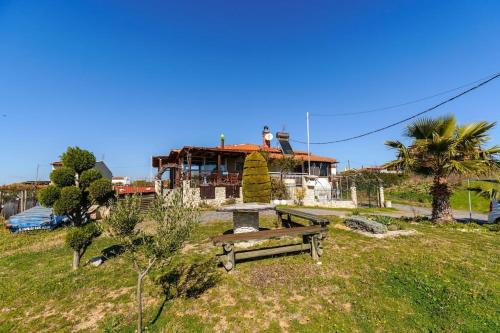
(354, 196)
(158, 187)
(381, 197)
(290, 186)
(309, 199)
(220, 195)
(245, 222)
(186, 191)
(240, 199)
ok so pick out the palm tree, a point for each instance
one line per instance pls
(440, 148)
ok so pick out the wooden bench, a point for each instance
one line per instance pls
(311, 241)
(288, 212)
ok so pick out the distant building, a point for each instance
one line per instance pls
(121, 181)
(99, 165)
(376, 169)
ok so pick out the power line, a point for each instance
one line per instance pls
(398, 105)
(406, 119)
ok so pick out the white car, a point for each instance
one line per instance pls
(494, 214)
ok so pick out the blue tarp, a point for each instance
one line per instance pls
(34, 219)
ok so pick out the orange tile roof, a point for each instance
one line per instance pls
(276, 152)
(247, 148)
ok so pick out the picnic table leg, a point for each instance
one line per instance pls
(280, 221)
(314, 248)
(319, 246)
(229, 252)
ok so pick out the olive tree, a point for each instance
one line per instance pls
(174, 221)
(76, 186)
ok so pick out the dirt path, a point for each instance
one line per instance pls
(403, 211)
(213, 215)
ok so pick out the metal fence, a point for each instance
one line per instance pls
(15, 202)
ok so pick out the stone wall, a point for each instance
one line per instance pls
(192, 194)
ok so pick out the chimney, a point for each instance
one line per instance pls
(222, 141)
(266, 137)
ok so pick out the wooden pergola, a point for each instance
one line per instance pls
(184, 162)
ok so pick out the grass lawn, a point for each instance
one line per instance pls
(459, 198)
(443, 279)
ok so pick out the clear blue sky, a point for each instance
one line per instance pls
(131, 79)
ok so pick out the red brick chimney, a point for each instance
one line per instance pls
(266, 137)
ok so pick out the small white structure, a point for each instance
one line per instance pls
(121, 181)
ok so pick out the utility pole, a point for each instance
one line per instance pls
(308, 146)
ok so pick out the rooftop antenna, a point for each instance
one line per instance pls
(36, 179)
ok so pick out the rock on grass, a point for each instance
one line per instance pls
(365, 224)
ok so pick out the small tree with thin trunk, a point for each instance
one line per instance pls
(440, 148)
(75, 187)
(285, 165)
(174, 221)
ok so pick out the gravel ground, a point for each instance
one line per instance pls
(403, 211)
(212, 215)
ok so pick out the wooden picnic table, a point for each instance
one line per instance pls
(311, 241)
(289, 212)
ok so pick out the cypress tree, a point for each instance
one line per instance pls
(256, 180)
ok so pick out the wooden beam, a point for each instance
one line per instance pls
(178, 172)
(219, 171)
(189, 165)
(272, 251)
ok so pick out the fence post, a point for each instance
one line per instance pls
(23, 200)
(354, 196)
(381, 197)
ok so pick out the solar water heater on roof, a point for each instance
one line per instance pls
(283, 139)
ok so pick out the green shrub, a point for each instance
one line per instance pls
(63, 176)
(73, 199)
(89, 176)
(78, 238)
(48, 196)
(356, 211)
(391, 222)
(69, 201)
(256, 180)
(125, 216)
(300, 194)
(141, 182)
(387, 220)
(494, 227)
(78, 159)
(203, 205)
(279, 190)
(230, 201)
(101, 190)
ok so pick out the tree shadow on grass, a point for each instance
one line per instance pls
(117, 249)
(112, 251)
(188, 280)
